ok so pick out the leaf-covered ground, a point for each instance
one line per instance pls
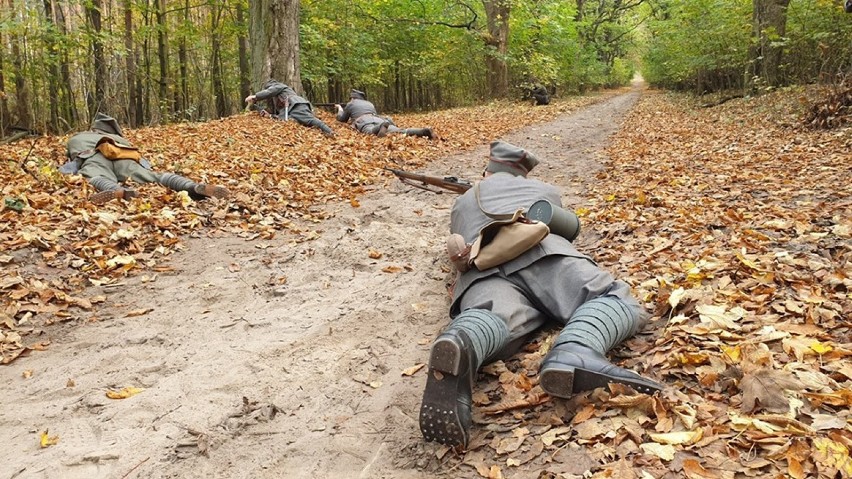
(280, 175)
(736, 223)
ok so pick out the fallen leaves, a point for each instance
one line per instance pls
(413, 369)
(46, 440)
(123, 393)
(736, 230)
(282, 187)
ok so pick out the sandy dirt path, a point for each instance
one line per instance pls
(273, 359)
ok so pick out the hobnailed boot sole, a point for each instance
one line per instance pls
(440, 412)
(564, 381)
(212, 190)
(102, 197)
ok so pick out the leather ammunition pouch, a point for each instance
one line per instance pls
(113, 151)
(502, 240)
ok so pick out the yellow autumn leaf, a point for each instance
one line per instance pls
(751, 264)
(734, 353)
(123, 393)
(582, 212)
(374, 254)
(610, 197)
(355, 203)
(833, 454)
(821, 348)
(676, 438)
(413, 369)
(184, 198)
(47, 440)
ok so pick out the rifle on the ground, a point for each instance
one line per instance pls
(450, 183)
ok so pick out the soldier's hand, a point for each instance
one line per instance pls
(250, 99)
(339, 108)
(263, 113)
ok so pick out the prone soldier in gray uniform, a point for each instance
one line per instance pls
(284, 104)
(87, 155)
(366, 119)
(495, 311)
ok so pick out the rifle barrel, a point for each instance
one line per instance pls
(450, 183)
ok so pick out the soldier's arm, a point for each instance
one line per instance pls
(343, 114)
(269, 92)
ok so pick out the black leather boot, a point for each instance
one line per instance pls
(571, 368)
(445, 413)
(424, 132)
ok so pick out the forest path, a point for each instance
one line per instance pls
(318, 329)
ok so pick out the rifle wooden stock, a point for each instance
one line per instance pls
(423, 182)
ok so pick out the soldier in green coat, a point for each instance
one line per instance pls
(87, 155)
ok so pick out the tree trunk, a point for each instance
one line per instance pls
(5, 120)
(146, 55)
(216, 60)
(769, 25)
(52, 59)
(68, 108)
(22, 92)
(274, 34)
(97, 101)
(335, 90)
(163, 55)
(242, 43)
(183, 97)
(130, 65)
(497, 41)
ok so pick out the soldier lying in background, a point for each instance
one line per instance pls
(366, 119)
(107, 159)
(283, 103)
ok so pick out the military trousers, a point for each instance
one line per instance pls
(552, 288)
(303, 115)
(117, 170)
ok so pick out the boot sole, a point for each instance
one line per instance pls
(214, 191)
(440, 420)
(568, 381)
(103, 197)
(446, 357)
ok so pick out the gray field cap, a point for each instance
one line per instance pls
(509, 158)
(358, 94)
(106, 124)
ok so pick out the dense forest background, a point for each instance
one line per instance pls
(158, 61)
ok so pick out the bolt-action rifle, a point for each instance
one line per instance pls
(328, 104)
(450, 183)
